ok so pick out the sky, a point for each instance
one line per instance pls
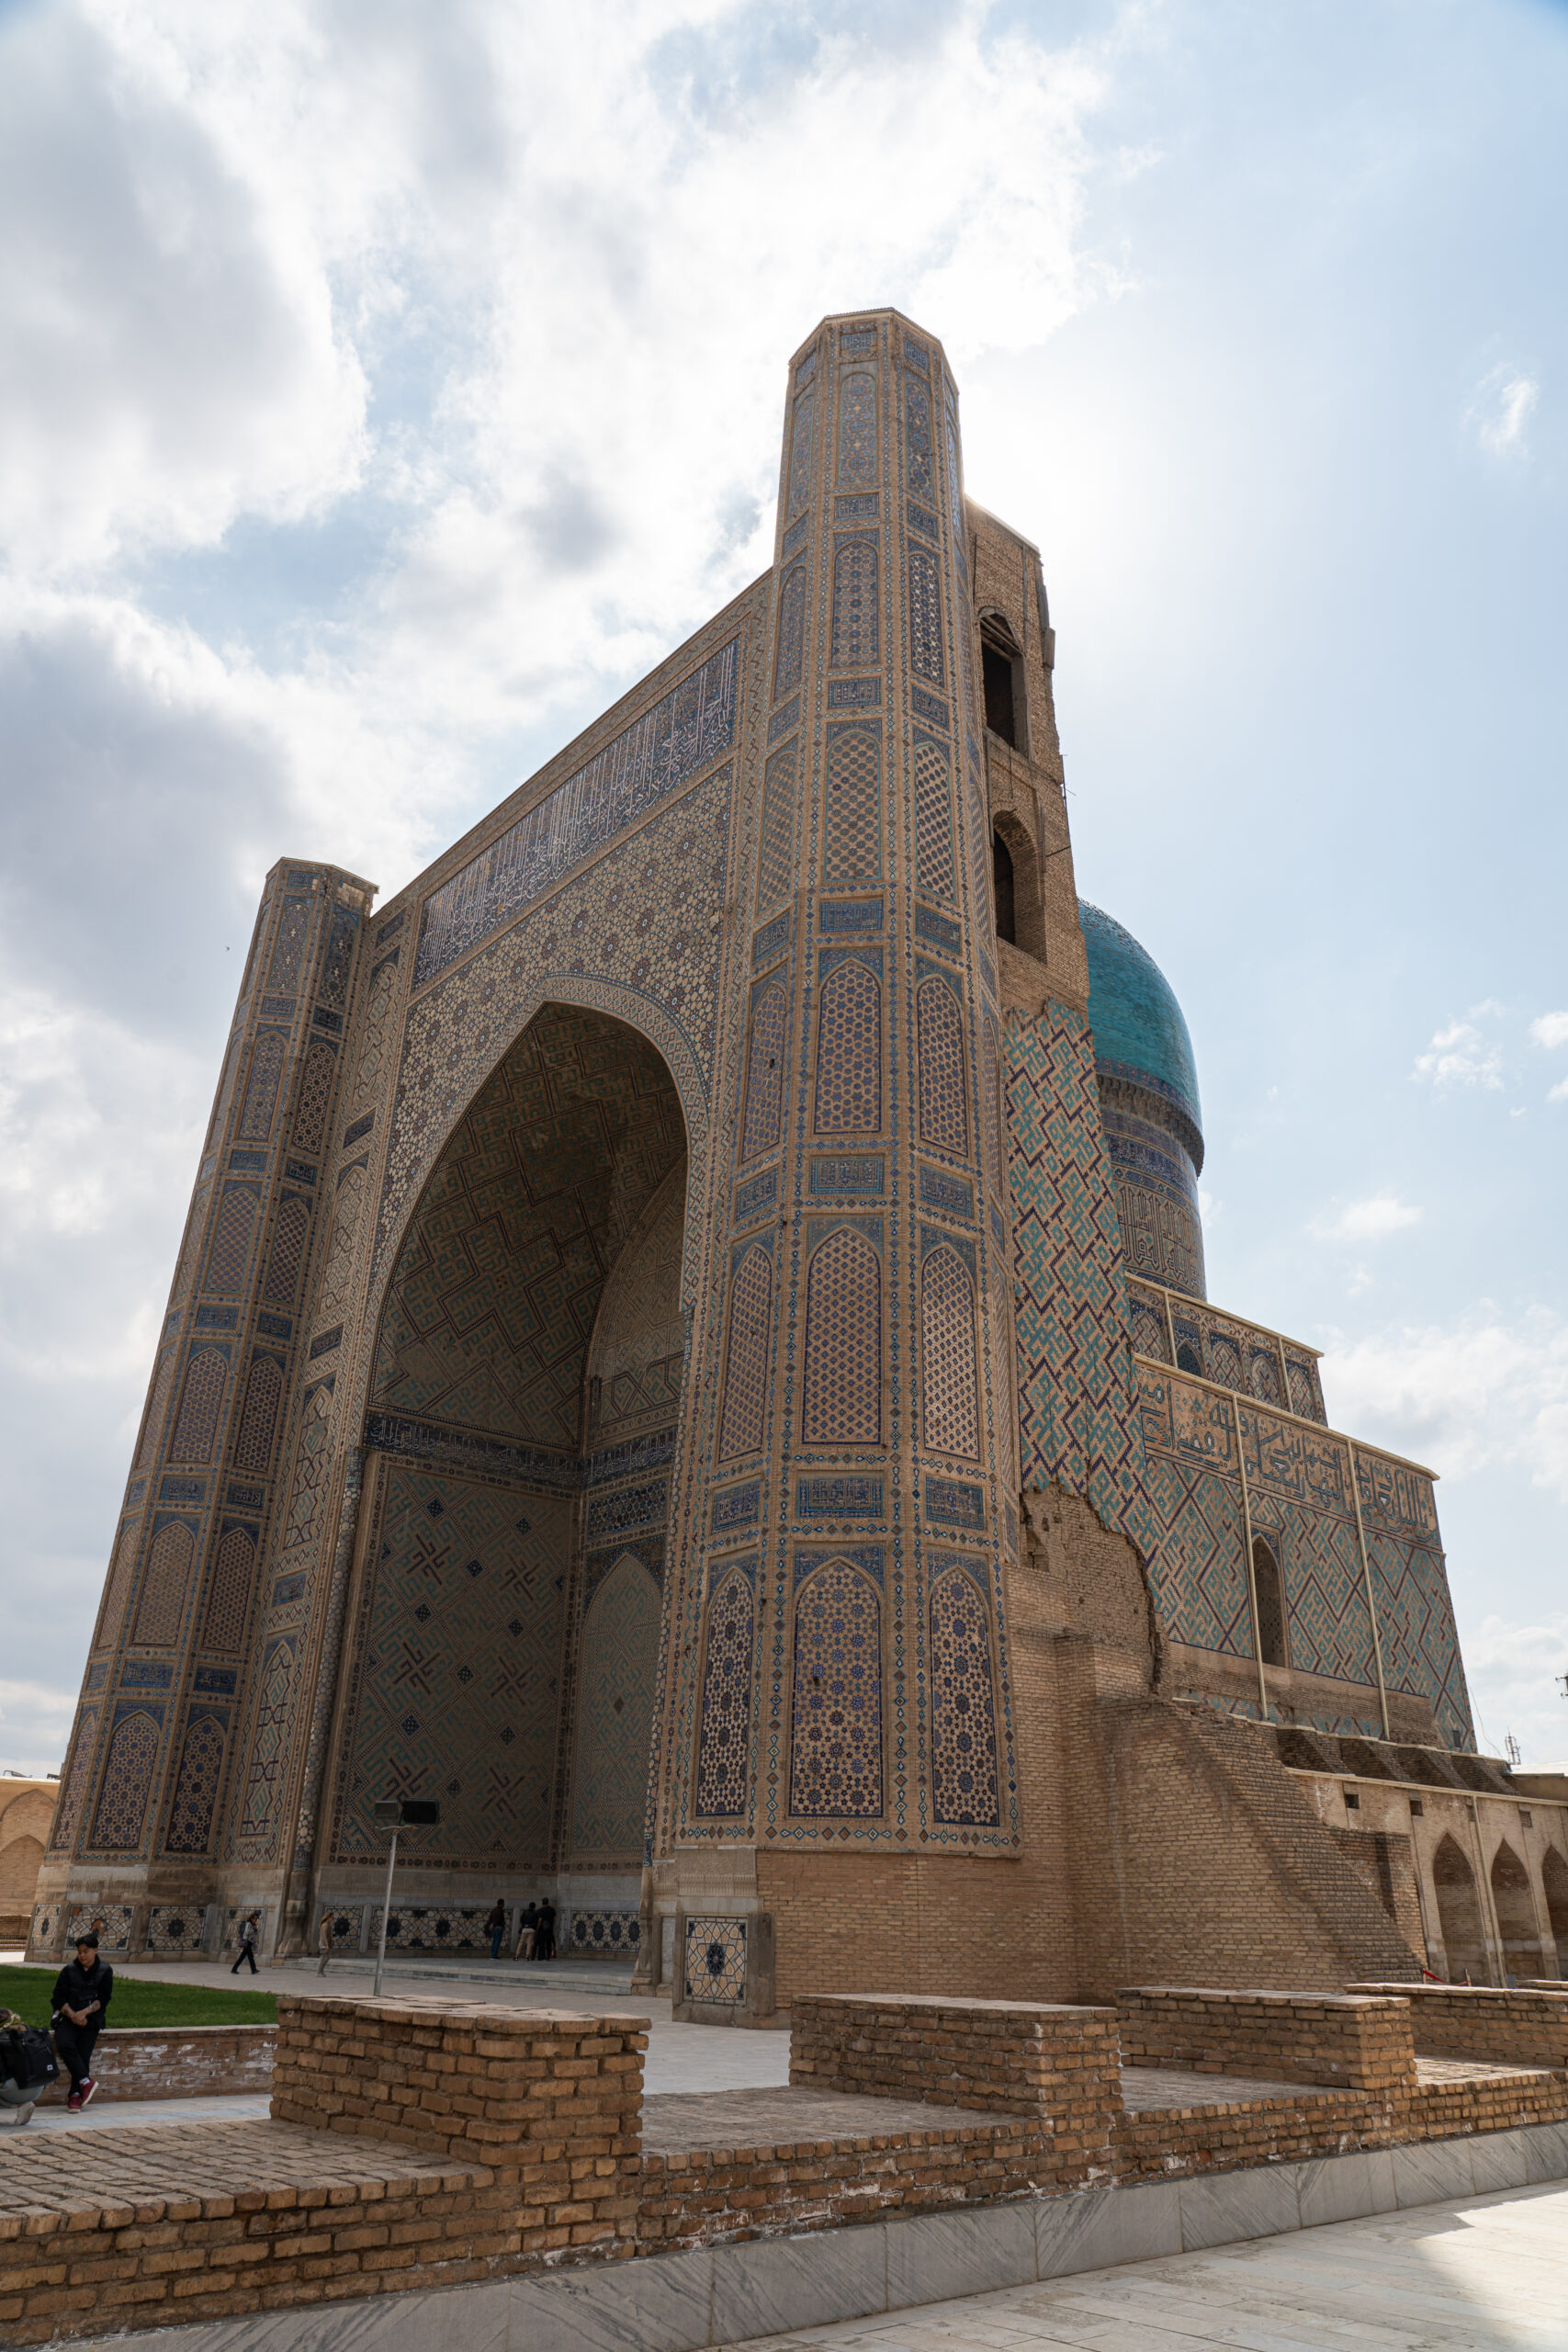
(384, 389)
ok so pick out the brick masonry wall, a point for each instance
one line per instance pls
(552, 2101)
(1352, 2042)
(187, 2062)
(1057, 2067)
(1518, 2028)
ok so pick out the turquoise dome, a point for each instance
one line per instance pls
(1139, 1030)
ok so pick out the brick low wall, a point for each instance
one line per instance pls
(1352, 2042)
(177, 2061)
(1054, 2066)
(1518, 2029)
(552, 2101)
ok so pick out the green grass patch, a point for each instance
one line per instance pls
(136, 2002)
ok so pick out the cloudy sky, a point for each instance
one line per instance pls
(383, 387)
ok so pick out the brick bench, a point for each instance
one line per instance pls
(1522, 2027)
(177, 2061)
(1358, 2040)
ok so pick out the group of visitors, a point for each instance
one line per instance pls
(535, 1930)
(78, 2005)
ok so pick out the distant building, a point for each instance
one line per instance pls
(27, 1810)
(690, 1347)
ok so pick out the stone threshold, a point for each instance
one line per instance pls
(726, 2295)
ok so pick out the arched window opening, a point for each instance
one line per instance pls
(1266, 1576)
(998, 660)
(1459, 1915)
(1002, 890)
(1515, 1906)
(1187, 1358)
(1554, 1879)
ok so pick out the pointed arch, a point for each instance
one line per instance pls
(1554, 1883)
(938, 1045)
(290, 1236)
(933, 819)
(127, 1783)
(261, 1087)
(849, 1052)
(259, 1416)
(1458, 1914)
(228, 1595)
(230, 1249)
(965, 1788)
(742, 1426)
(765, 1068)
(162, 1606)
(1274, 1623)
(856, 638)
(949, 1386)
(723, 1740)
(1514, 1903)
(314, 1099)
(835, 1763)
(201, 1403)
(196, 1787)
(842, 1391)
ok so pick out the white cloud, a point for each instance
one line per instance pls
(1479, 1394)
(1369, 1220)
(1549, 1029)
(1499, 410)
(1462, 1055)
(35, 1724)
(1513, 1671)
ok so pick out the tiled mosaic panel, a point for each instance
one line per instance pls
(724, 1741)
(765, 1068)
(841, 1388)
(1199, 1567)
(75, 1782)
(949, 1390)
(852, 829)
(924, 575)
(670, 743)
(939, 1044)
(196, 1783)
(1299, 1489)
(121, 1811)
(442, 1926)
(615, 1680)
(800, 451)
(457, 1691)
(290, 1238)
(112, 1921)
(775, 872)
(258, 1417)
(268, 1758)
(857, 430)
(716, 1960)
(201, 1401)
(161, 1605)
(638, 934)
(1077, 1403)
(255, 1124)
(933, 794)
(790, 631)
(493, 1298)
(964, 1792)
(849, 1051)
(741, 1427)
(1410, 1589)
(835, 1763)
(174, 1927)
(230, 1249)
(599, 1935)
(317, 1082)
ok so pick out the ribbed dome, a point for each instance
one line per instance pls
(1140, 1034)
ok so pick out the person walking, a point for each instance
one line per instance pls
(496, 1923)
(247, 1943)
(527, 1929)
(324, 1942)
(545, 1939)
(81, 1996)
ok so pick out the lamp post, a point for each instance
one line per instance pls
(395, 1814)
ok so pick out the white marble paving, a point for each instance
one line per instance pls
(104, 2111)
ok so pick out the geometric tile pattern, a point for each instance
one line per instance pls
(309, 1470)
(765, 1070)
(776, 871)
(723, 1742)
(333, 1294)
(841, 1403)
(835, 1762)
(639, 1338)
(615, 1717)
(856, 639)
(161, 1382)
(851, 820)
(126, 1783)
(660, 751)
(163, 1602)
(1416, 1624)
(938, 1030)
(232, 1238)
(716, 1960)
(174, 1927)
(261, 1091)
(612, 1933)
(964, 1718)
(229, 1595)
(195, 1427)
(800, 451)
(289, 1236)
(258, 1418)
(1077, 1401)
(925, 615)
(857, 431)
(456, 1694)
(268, 1753)
(849, 1052)
(741, 1430)
(990, 1109)
(75, 1781)
(293, 930)
(317, 1080)
(947, 1393)
(918, 439)
(196, 1787)
(933, 815)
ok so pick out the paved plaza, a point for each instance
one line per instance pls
(1482, 2275)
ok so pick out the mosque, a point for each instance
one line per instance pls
(691, 1349)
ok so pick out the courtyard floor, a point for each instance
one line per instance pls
(1483, 2275)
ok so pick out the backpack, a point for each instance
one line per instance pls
(28, 2057)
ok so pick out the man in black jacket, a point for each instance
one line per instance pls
(81, 1996)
